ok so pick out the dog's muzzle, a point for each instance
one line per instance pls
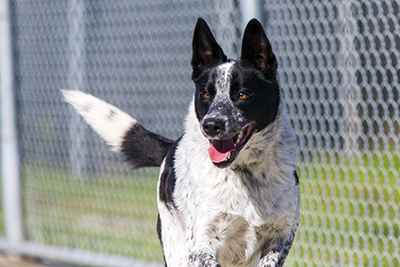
(224, 147)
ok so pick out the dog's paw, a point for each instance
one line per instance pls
(202, 259)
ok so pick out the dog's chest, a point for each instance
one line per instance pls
(233, 210)
(239, 241)
(207, 191)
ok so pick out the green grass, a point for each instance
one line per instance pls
(349, 212)
(115, 215)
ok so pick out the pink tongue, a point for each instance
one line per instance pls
(220, 150)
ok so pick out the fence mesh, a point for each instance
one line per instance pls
(339, 71)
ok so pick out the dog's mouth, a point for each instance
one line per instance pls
(224, 151)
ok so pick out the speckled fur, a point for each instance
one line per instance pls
(238, 213)
(247, 213)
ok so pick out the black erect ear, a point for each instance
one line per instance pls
(257, 49)
(206, 52)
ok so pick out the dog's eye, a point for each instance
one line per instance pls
(242, 95)
(206, 95)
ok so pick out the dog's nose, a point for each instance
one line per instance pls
(213, 127)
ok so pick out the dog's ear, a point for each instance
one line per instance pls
(257, 49)
(206, 51)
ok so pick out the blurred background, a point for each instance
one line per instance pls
(65, 196)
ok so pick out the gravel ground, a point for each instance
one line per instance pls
(11, 261)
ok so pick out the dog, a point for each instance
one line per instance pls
(228, 190)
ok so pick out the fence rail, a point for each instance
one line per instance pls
(339, 73)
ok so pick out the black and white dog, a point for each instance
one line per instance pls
(228, 191)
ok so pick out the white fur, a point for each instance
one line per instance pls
(108, 121)
(172, 231)
(224, 77)
(223, 82)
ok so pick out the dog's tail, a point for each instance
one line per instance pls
(122, 132)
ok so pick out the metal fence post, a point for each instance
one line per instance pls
(76, 82)
(10, 167)
(349, 63)
(250, 9)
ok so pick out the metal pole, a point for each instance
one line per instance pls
(349, 63)
(250, 9)
(78, 147)
(10, 168)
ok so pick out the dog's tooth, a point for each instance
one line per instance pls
(239, 138)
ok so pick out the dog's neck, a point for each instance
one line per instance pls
(269, 153)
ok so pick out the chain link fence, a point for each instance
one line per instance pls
(339, 74)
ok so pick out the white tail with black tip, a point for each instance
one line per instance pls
(121, 131)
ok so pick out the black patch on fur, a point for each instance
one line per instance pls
(206, 51)
(206, 83)
(143, 148)
(159, 228)
(159, 233)
(262, 103)
(257, 50)
(168, 178)
(296, 177)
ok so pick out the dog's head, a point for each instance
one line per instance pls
(234, 98)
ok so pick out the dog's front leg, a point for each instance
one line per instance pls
(275, 256)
